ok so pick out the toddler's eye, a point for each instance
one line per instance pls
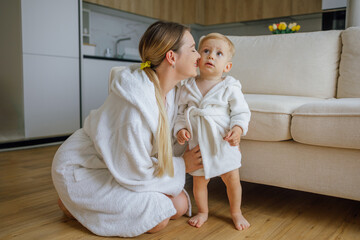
(206, 51)
(219, 53)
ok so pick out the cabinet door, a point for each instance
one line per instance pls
(305, 7)
(94, 85)
(51, 95)
(50, 27)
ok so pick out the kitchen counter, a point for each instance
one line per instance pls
(111, 58)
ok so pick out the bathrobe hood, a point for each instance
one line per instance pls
(132, 85)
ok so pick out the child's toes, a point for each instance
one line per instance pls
(192, 222)
(199, 224)
(239, 227)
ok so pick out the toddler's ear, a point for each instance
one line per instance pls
(228, 67)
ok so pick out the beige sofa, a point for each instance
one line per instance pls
(303, 90)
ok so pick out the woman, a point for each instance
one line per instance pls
(117, 175)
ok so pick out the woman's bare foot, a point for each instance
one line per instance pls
(64, 209)
(240, 222)
(198, 220)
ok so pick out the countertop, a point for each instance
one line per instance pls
(111, 58)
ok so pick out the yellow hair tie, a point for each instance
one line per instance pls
(145, 65)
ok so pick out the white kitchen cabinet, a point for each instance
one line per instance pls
(50, 27)
(51, 66)
(51, 95)
(94, 85)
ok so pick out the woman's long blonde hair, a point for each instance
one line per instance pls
(158, 39)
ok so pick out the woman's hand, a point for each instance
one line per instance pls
(192, 158)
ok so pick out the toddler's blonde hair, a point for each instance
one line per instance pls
(219, 36)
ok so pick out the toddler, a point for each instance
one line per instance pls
(214, 114)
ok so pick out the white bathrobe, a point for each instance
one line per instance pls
(208, 118)
(104, 172)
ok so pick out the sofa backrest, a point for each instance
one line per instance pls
(349, 72)
(298, 64)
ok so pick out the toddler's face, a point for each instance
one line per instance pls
(215, 57)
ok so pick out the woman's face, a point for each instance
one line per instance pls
(187, 57)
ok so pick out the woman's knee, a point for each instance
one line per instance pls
(181, 205)
(160, 226)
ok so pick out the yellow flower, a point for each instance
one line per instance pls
(282, 26)
(297, 27)
(271, 28)
(291, 25)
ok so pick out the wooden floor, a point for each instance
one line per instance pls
(28, 209)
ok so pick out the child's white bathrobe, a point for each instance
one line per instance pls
(208, 118)
(104, 173)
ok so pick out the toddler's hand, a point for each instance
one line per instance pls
(233, 136)
(182, 136)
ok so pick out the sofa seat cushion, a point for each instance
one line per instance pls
(271, 115)
(331, 123)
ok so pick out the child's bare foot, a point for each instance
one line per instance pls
(240, 222)
(64, 209)
(198, 220)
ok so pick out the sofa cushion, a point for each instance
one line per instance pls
(349, 79)
(299, 64)
(271, 115)
(331, 123)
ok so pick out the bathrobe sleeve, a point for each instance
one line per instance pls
(180, 121)
(239, 109)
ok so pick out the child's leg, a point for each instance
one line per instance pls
(201, 199)
(234, 191)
